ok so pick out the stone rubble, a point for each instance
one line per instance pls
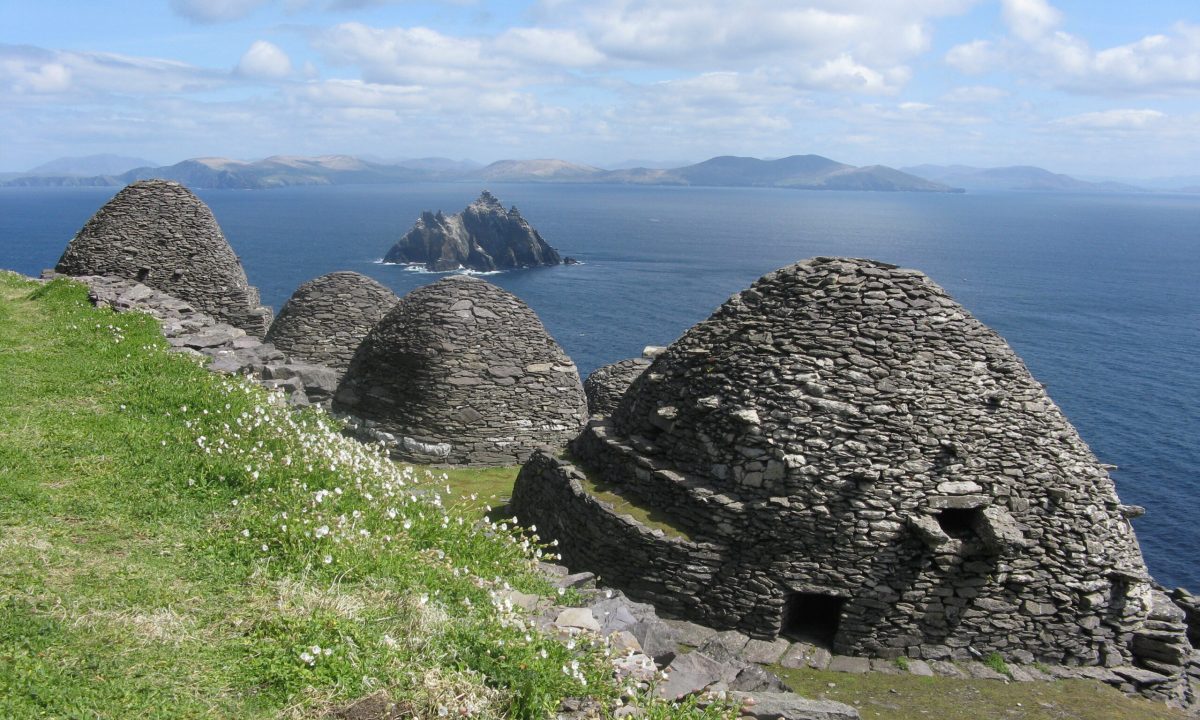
(157, 233)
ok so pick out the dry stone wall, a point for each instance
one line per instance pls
(877, 464)
(463, 372)
(159, 234)
(324, 321)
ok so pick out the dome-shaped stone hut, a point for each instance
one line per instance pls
(848, 456)
(605, 385)
(324, 321)
(462, 372)
(158, 233)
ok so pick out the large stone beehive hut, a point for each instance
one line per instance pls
(324, 321)
(160, 234)
(850, 457)
(462, 372)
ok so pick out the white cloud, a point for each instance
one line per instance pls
(560, 48)
(975, 94)
(406, 55)
(843, 73)
(974, 58)
(26, 70)
(264, 60)
(1124, 119)
(216, 11)
(1030, 19)
(1037, 48)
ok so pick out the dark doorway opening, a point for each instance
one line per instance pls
(812, 618)
(959, 523)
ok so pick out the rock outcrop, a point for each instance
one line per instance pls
(482, 237)
(324, 321)
(849, 456)
(463, 372)
(159, 234)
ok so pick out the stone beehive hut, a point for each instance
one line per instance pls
(605, 385)
(158, 233)
(324, 321)
(849, 456)
(462, 372)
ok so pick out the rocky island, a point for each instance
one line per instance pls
(482, 237)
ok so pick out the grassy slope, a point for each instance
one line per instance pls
(173, 545)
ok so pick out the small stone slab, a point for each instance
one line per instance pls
(635, 666)
(657, 638)
(789, 706)
(624, 641)
(580, 618)
(689, 674)
(1037, 674)
(765, 652)
(945, 669)
(850, 664)
(884, 666)
(615, 619)
(979, 671)
(1018, 674)
(525, 601)
(577, 580)
(753, 678)
(919, 668)
(690, 633)
(726, 645)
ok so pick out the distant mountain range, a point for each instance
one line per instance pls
(811, 172)
(89, 166)
(1017, 177)
(808, 172)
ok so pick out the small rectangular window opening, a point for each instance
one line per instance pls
(959, 523)
(812, 618)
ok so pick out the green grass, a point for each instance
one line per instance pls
(996, 662)
(175, 544)
(480, 488)
(624, 503)
(905, 697)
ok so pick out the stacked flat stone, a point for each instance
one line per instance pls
(462, 372)
(605, 385)
(161, 235)
(326, 319)
(843, 435)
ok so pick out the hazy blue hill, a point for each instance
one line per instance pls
(534, 171)
(1016, 177)
(797, 171)
(278, 171)
(882, 179)
(812, 172)
(62, 181)
(439, 165)
(737, 171)
(89, 166)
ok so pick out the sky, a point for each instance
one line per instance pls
(1091, 88)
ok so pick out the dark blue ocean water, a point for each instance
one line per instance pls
(1100, 294)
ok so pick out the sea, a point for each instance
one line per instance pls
(1098, 293)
